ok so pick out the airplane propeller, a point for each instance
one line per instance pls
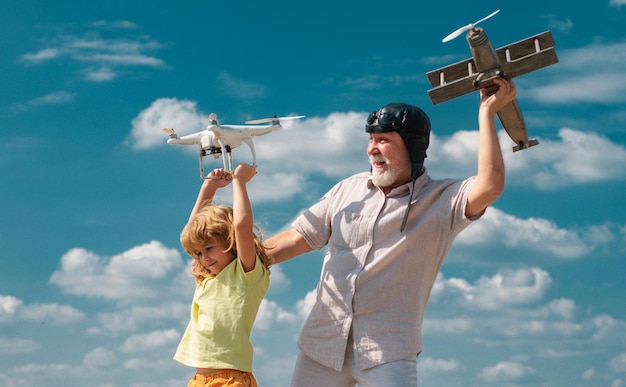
(467, 28)
(273, 119)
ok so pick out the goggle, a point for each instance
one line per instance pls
(385, 123)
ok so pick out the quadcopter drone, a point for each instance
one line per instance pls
(485, 65)
(219, 140)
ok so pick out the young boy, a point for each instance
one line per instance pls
(231, 269)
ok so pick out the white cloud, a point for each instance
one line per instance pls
(607, 328)
(94, 51)
(123, 59)
(279, 281)
(430, 365)
(123, 277)
(56, 98)
(181, 115)
(511, 305)
(588, 374)
(581, 158)
(576, 158)
(561, 25)
(141, 317)
(535, 234)
(562, 308)
(51, 313)
(100, 74)
(574, 83)
(553, 328)
(118, 24)
(270, 186)
(506, 289)
(618, 363)
(151, 341)
(305, 305)
(8, 307)
(239, 89)
(151, 260)
(334, 146)
(354, 86)
(100, 358)
(13, 309)
(506, 371)
(600, 88)
(42, 55)
(450, 325)
(17, 346)
(271, 315)
(551, 353)
(366, 82)
(617, 3)
(38, 374)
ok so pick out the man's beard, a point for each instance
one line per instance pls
(384, 178)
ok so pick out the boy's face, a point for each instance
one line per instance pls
(213, 258)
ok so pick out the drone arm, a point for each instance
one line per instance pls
(250, 144)
(228, 164)
(184, 141)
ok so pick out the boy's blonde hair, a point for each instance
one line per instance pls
(214, 225)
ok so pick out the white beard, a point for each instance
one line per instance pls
(384, 178)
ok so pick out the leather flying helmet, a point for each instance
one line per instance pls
(411, 123)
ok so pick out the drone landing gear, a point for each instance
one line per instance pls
(216, 153)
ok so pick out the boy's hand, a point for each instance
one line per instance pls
(219, 178)
(244, 172)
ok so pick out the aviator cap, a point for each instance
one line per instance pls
(411, 123)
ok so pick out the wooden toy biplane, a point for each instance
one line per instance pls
(478, 72)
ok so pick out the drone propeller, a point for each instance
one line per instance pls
(466, 28)
(273, 119)
(169, 131)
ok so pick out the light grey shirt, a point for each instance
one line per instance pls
(376, 281)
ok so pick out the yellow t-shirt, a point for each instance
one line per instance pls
(223, 311)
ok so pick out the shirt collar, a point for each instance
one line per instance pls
(404, 189)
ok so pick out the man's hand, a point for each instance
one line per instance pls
(506, 93)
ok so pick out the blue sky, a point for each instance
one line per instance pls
(94, 286)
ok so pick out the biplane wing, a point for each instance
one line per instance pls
(516, 59)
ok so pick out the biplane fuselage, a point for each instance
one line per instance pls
(486, 64)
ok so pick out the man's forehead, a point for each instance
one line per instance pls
(388, 135)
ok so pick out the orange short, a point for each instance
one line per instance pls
(226, 378)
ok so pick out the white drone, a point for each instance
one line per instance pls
(218, 140)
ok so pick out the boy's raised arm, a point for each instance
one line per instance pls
(243, 217)
(218, 178)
